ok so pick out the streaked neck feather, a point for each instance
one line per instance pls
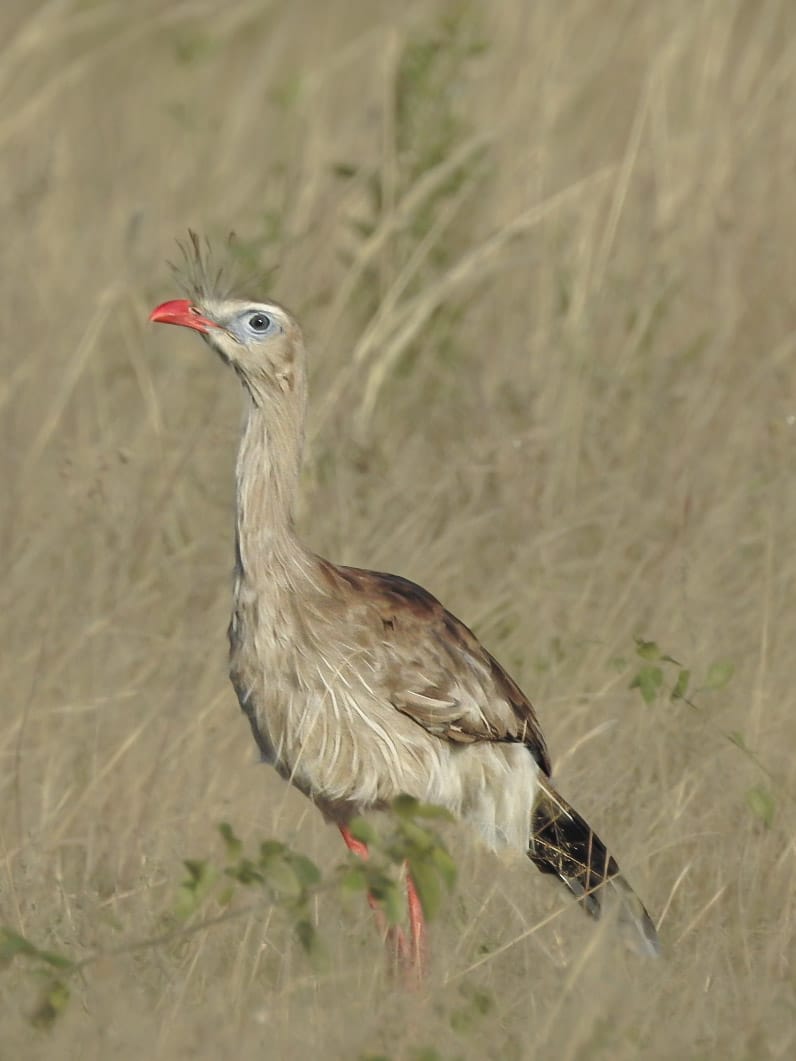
(269, 460)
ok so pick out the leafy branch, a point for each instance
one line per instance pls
(660, 674)
(408, 843)
(281, 878)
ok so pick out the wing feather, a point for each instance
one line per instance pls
(431, 667)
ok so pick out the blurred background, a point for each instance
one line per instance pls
(543, 254)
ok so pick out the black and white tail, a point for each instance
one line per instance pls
(564, 844)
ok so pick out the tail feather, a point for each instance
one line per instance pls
(564, 844)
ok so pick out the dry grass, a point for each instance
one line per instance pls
(553, 380)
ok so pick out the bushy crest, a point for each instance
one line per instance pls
(208, 271)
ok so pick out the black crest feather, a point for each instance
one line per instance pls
(207, 272)
(200, 274)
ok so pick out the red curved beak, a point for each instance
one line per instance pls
(181, 311)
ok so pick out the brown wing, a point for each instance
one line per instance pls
(432, 668)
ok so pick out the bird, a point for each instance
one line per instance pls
(360, 687)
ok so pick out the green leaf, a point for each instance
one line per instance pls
(224, 897)
(192, 892)
(427, 883)
(392, 902)
(354, 879)
(648, 681)
(52, 1003)
(245, 872)
(432, 811)
(647, 649)
(231, 842)
(57, 961)
(270, 848)
(197, 869)
(307, 936)
(762, 804)
(363, 831)
(281, 878)
(416, 837)
(405, 806)
(344, 170)
(185, 902)
(409, 807)
(12, 944)
(681, 685)
(306, 870)
(445, 866)
(719, 674)
(738, 740)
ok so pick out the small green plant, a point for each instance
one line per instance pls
(762, 804)
(409, 842)
(287, 879)
(280, 878)
(656, 674)
(660, 674)
(48, 968)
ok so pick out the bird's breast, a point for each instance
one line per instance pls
(318, 713)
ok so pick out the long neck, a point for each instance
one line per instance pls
(267, 473)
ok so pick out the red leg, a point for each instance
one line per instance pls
(417, 925)
(352, 843)
(393, 934)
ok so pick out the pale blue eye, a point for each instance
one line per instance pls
(259, 322)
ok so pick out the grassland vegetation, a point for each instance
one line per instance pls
(544, 258)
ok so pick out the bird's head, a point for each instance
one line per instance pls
(261, 340)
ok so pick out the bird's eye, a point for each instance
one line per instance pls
(259, 322)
